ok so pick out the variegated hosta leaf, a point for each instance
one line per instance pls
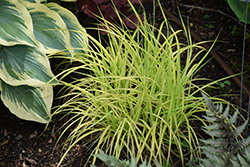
(32, 1)
(78, 37)
(25, 65)
(26, 102)
(49, 29)
(15, 24)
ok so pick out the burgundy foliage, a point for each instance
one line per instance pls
(93, 8)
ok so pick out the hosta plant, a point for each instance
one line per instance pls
(134, 97)
(226, 148)
(29, 31)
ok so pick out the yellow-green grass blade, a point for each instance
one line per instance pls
(28, 103)
(16, 24)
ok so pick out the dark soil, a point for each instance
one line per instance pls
(25, 143)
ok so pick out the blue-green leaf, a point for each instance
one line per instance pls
(78, 37)
(26, 102)
(25, 65)
(32, 1)
(50, 29)
(239, 9)
(15, 24)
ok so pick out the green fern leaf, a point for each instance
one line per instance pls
(226, 112)
(239, 130)
(144, 164)
(216, 142)
(234, 161)
(209, 103)
(213, 150)
(243, 143)
(242, 160)
(226, 148)
(214, 126)
(247, 155)
(111, 161)
(211, 119)
(216, 133)
(206, 163)
(232, 119)
(133, 161)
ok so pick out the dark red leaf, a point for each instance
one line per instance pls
(108, 11)
(120, 3)
(132, 20)
(136, 1)
(100, 1)
(91, 9)
(101, 28)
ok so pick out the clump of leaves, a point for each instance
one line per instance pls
(136, 99)
(112, 161)
(225, 148)
(30, 31)
(109, 8)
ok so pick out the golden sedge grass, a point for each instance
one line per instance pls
(136, 98)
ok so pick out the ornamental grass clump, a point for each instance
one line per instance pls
(135, 98)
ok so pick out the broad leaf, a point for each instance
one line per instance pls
(78, 37)
(239, 9)
(32, 1)
(28, 103)
(16, 24)
(50, 29)
(24, 65)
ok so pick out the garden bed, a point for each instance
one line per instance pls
(25, 143)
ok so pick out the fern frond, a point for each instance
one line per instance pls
(214, 126)
(112, 161)
(232, 119)
(216, 142)
(226, 112)
(225, 148)
(216, 133)
(238, 130)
